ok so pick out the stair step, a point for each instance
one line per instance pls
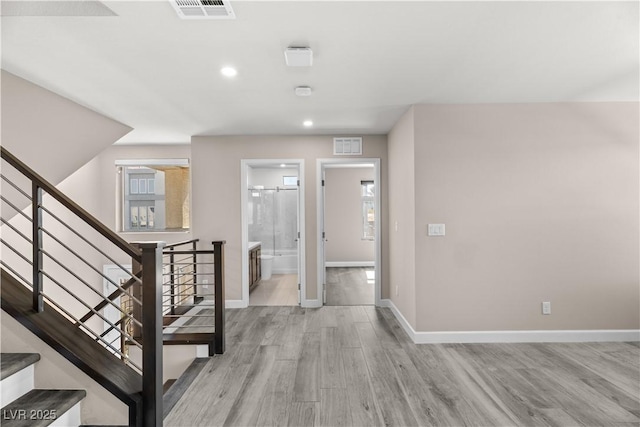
(180, 386)
(188, 338)
(10, 363)
(42, 408)
(18, 373)
(72, 342)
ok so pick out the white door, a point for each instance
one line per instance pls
(298, 243)
(323, 241)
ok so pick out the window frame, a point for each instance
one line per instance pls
(367, 201)
(129, 206)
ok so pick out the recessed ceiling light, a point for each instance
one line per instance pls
(282, 165)
(229, 72)
(307, 123)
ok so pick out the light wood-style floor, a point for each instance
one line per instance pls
(350, 286)
(281, 289)
(355, 366)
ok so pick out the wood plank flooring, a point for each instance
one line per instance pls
(355, 366)
(350, 286)
(280, 289)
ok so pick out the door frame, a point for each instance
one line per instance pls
(245, 164)
(321, 165)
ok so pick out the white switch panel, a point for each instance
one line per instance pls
(435, 230)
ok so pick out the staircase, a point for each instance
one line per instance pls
(22, 405)
(52, 283)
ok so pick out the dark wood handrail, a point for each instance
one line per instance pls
(190, 252)
(70, 204)
(186, 242)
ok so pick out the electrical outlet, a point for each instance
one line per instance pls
(546, 307)
(205, 284)
(397, 290)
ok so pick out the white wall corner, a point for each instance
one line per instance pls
(469, 337)
(235, 303)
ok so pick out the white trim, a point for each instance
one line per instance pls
(311, 303)
(321, 165)
(153, 162)
(597, 335)
(350, 263)
(70, 417)
(17, 385)
(235, 303)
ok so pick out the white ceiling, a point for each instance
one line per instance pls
(161, 75)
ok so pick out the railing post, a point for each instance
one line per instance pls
(172, 282)
(136, 292)
(36, 216)
(151, 333)
(195, 272)
(218, 257)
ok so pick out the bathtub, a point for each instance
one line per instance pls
(284, 261)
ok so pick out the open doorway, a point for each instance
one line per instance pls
(271, 235)
(349, 229)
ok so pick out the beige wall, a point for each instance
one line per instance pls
(343, 215)
(402, 239)
(540, 204)
(51, 134)
(103, 198)
(216, 179)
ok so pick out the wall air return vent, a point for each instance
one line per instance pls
(347, 146)
(203, 9)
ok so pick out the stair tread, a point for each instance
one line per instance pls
(55, 329)
(180, 386)
(40, 407)
(188, 338)
(10, 363)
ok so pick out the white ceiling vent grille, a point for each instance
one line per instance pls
(347, 146)
(203, 9)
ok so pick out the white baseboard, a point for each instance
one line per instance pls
(235, 303)
(604, 335)
(350, 264)
(311, 303)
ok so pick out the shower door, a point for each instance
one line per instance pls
(273, 212)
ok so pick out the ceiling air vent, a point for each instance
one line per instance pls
(203, 9)
(347, 146)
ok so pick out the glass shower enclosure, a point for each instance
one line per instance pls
(273, 221)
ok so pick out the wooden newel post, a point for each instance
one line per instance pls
(152, 410)
(219, 300)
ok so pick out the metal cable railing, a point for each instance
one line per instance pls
(192, 293)
(58, 252)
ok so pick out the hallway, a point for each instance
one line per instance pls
(355, 366)
(350, 286)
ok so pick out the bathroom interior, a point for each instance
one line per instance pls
(272, 207)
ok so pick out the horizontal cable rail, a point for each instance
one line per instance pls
(192, 289)
(72, 263)
(50, 189)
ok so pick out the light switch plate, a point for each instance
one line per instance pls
(435, 230)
